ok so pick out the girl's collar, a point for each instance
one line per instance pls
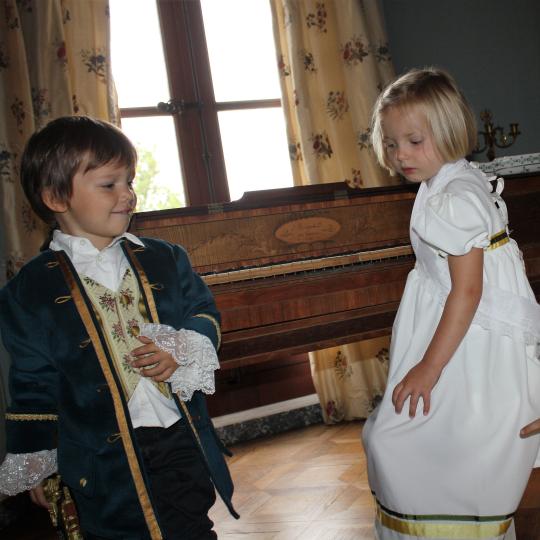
(447, 171)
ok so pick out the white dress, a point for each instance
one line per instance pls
(460, 471)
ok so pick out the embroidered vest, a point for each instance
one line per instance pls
(120, 317)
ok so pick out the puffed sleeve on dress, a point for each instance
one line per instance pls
(456, 219)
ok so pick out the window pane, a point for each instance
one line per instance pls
(255, 148)
(158, 183)
(137, 53)
(241, 49)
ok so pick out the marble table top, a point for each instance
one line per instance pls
(510, 165)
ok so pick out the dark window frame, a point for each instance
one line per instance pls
(193, 105)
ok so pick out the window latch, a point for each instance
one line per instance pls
(178, 106)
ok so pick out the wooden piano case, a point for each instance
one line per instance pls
(300, 269)
(304, 268)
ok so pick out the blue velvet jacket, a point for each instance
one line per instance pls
(65, 393)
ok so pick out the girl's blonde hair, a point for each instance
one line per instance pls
(435, 94)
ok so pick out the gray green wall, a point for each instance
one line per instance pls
(492, 48)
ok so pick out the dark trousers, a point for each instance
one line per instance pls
(180, 487)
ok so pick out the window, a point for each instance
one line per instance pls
(218, 130)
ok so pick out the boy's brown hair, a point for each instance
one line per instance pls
(54, 154)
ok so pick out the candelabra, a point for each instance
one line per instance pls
(495, 136)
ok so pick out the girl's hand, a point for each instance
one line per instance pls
(530, 429)
(37, 495)
(418, 383)
(466, 274)
(162, 364)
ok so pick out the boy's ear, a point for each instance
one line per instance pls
(52, 201)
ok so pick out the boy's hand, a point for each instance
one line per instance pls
(162, 363)
(530, 429)
(418, 383)
(37, 495)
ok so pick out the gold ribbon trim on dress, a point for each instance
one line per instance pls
(441, 526)
(498, 240)
(120, 413)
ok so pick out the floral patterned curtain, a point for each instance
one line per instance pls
(334, 60)
(54, 61)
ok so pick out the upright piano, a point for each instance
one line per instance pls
(305, 268)
(300, 269)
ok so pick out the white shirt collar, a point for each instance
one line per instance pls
(106, 266)
(77, 246)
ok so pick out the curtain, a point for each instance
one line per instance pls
(334, 60)
(54, 61)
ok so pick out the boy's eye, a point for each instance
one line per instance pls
(389, 145)
(416, 142)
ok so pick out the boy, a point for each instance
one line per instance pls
(112, 339)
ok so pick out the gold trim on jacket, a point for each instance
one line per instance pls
(147, 293)
(22, 417)
(123, 423)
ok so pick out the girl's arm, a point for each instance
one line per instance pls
(466, 273)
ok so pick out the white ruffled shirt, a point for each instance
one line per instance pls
(193, 352)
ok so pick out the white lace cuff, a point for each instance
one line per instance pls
(193, 352)
(21, 472)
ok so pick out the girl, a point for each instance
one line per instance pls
(445, 456)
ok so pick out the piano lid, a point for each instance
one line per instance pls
(274, 227)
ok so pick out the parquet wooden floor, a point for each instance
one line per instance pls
(309, 484)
